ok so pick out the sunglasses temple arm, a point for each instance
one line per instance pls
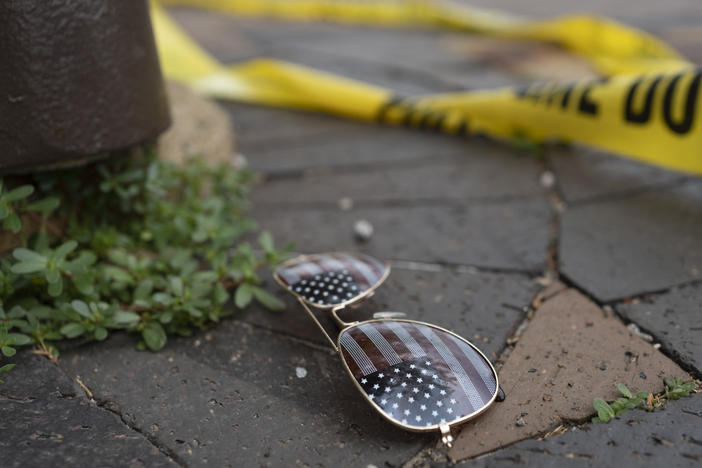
(309, 312)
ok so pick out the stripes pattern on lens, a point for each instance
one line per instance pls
(417, 374)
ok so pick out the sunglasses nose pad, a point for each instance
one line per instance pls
(332, 279)
(389, 315)
(500, 395)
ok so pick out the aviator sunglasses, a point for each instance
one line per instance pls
(418, 376)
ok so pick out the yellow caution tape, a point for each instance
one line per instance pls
(647, 106)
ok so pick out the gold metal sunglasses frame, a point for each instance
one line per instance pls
(445, 429)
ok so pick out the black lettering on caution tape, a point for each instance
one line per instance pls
(547, 93)
(643, 116)
(586, 104)
(683, 126)
(415, 117)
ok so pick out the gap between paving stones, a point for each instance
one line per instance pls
(577, 353)
(613, 307)
(559, 205)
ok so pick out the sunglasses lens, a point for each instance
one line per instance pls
(418, 375)
(331, 279)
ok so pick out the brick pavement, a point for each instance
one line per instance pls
(473, 235)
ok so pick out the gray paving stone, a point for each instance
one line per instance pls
(364, 145)
(230, 397)
(483, 307)
(407, 60)
(259, 128)
(675, 319)
(671, 437)
(487, 172)
(633, 245)
(586, 175)
(45, 420)
(506, 235)
(645, 13)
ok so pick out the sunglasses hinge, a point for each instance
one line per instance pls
(314, 318)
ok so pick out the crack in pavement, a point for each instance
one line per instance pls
(111, 407)
(108, 406)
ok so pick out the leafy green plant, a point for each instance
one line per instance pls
(132, 243)
(674, 389)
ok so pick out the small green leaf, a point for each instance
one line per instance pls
(84, 283)
(154, 336)
(52, 275)
(143, 290)
(689, 386)
(604, 411)
(65, 248)
(72, 330)
(176, 285)
(8, 351)
(6, 368)
(19, 339)
(45, 206)
(13, 223)
(117, 274)
(100, 333)
(267, 299)
(82, 308)
(55, 289)
(221, 294)
(23, 268)
(125, 318)
(19, 193)
(162, 298)
(624, 390)
(266, 242)
(26, 255)
(243, 295)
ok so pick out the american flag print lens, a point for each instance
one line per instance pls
(416, 374)
(333, 278)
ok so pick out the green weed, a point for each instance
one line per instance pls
(133, 243)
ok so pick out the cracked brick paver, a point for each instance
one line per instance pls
(570, 353)
(231, 397)
(675, 319)
(46, 420)
(670, 437)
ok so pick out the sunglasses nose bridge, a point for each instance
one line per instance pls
(339, 322)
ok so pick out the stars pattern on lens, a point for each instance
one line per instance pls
(328, 288)
(429, 404)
